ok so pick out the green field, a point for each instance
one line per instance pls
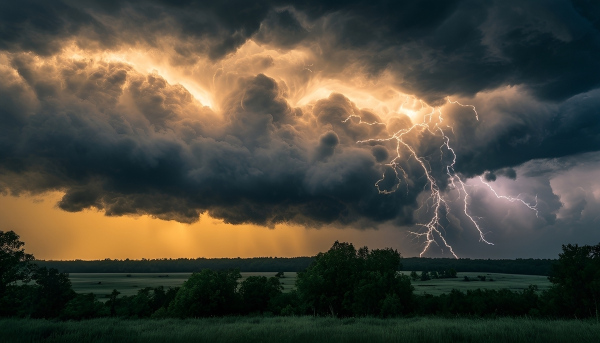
(102, 284)
(514, 282)
(301, 329)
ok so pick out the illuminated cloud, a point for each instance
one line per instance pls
(271, 112)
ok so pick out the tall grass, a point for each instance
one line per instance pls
(301, 329)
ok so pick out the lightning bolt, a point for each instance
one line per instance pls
(513, 199)
(433, 230)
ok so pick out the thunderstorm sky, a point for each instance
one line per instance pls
(272, 128)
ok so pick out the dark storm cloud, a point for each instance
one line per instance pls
(508, 172)
(528, 129)
(126, 143)
(438, 48)
(281, 29)
(40, 26)
(434, 48)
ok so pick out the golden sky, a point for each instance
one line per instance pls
(52, 234)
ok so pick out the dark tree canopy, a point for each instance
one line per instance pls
(257, 291)
(576, 278)
(344, 282)
(51, 293)
(15, 264)
(207, 293)
(46, 298)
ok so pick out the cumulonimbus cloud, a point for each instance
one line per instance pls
(79, 117)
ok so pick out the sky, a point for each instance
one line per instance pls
(166, 129)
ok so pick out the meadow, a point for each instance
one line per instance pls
(102, 284)
(513, 282)
(300, 329)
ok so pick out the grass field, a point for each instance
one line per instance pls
(102, 284)
(514, 282)
(301, 329)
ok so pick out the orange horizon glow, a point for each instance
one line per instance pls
(52, 234)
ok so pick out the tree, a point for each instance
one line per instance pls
(451, 273)
(207, 293)
(257, 291)
(83, 306)
(15, 264)
(576, 279)
(112, 302)
(52, 292)
(378, 281)
(414, 276)
(344, 282)
(327, 284)
(45, 299)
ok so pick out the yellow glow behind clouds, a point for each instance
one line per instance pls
(50, 233)
(208, 81)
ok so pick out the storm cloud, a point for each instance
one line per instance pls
(128, 143)
(273, 112)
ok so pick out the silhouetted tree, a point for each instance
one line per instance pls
(327, 284)
(112, 302)
(15, 264)
(257, 291)
(286, 304)
(450, 273)
(52, 292)
(344, 281)
(46, 298)
(576, 279)
(83, 306)
(207, 293)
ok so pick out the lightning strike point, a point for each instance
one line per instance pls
(432, 231)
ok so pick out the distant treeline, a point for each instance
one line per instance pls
(180, 265)
(292, 264)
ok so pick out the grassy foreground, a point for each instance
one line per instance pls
(301, 329)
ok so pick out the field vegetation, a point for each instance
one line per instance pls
(102, 284)
(300, 329)
(492, 281)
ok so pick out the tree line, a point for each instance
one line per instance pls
(342, 282)
(291, 264)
